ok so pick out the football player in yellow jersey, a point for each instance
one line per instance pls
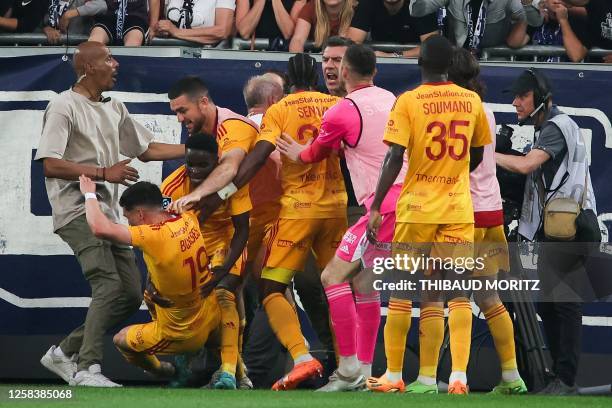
(177, 262)
(313, 208)
(442, 128)
(235, 135)
(225, 235)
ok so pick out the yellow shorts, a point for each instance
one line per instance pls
(439, 241)
(262, 220)
(217, 243)
(491, 247)
(292, 240)
(148, 337)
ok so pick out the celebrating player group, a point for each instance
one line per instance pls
(260, 194)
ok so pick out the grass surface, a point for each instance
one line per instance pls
(152, 397)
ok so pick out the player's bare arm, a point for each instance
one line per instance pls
(219, 178)
(522, 164)
(119, 173)
(101, 226)
(248, 169)
(392, 165)
(163, 151)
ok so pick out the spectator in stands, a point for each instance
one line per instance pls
(123, 22)
(599, 22)
(18, 16)
(202, 21)
(74, 18)
(390, 21)
(273, 19)
(321, 19)
(475, 24)
(562, 26)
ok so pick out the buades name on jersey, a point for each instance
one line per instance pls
(193, 236)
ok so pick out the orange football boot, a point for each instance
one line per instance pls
(299, 373)
(382, 384)
(458, 388)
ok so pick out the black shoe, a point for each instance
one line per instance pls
(558, 387)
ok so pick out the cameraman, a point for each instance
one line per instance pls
(556, 167)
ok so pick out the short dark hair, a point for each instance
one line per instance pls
(203, 142)
(302, 71)
(436, 54)
(464, 71)
(192, 86)
(338, 41)
(361, 59)
(143, 194)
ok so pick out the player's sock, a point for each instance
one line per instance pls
(396, 330)
(241, 333)
(344, 323)
(285, 324)
(460, 331)
(425, 380)
(458, 376)
(349, 366)
(366, 369)
(229, 330)
(502, 331)
(240, 368)
(393, 376)
(368, 322)
(431, 336)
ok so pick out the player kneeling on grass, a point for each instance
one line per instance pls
(178, 266)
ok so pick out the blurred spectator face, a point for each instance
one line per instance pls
(391, 2)
(332, 57)
(524, 105)
(190, 112)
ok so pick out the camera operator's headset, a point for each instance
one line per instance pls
(541, 95)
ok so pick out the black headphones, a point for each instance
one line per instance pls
(542, 93)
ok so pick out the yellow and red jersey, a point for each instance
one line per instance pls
(437, 124)
(177, 262)
(309, 190)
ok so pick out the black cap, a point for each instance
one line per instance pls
(526, 82)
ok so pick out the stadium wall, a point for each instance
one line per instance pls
(42, 293)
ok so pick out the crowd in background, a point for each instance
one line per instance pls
(576, 25)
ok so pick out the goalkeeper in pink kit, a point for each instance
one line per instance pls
(356, 124)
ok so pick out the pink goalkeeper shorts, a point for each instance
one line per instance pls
(355, 244)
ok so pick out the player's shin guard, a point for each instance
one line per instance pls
(396, 329)
(285, 324)
(502, 332)
(343, 317)
(460, 331)
(229, 330)
(368, 321)
(431, 336)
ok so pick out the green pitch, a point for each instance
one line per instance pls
(152, 397)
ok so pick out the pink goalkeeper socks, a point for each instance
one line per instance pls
(368, 321)
(343, 317)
